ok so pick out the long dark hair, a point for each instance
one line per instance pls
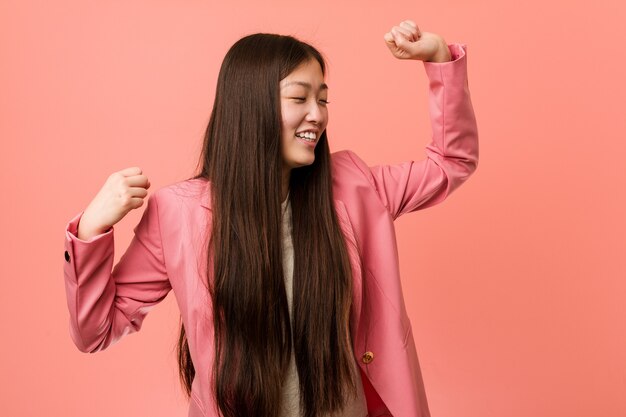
(241, 159)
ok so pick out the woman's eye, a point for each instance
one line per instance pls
(303, 99)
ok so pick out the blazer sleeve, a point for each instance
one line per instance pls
(451, 156)
(106, 302)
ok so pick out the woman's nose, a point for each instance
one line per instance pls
(315, 113)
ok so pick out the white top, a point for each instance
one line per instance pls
(291, 388)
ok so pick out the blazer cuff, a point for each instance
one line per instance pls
(458, 52)
(79, 252)
(71, 231)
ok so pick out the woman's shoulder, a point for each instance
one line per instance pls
(183, 191)
(347, 166)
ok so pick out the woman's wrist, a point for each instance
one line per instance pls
(443, 53)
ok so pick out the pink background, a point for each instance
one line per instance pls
(515, 285)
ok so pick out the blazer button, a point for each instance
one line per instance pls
(367, 357)
(67, 257)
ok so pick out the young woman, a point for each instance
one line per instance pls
(281, 255)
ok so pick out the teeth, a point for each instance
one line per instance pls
(310, 136)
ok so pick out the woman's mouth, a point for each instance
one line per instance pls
(308, 138)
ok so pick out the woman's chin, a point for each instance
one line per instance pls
(302, 162)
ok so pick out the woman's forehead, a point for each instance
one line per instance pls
(308, 75)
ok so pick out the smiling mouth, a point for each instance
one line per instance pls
(307, 136)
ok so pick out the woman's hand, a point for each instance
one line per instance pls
(123, 191)
(406, 41)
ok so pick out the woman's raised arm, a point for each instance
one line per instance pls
(452, 155)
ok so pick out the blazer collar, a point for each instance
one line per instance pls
(205, 197)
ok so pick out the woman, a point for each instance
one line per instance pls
(282, 256)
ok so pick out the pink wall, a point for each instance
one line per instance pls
(515, 285)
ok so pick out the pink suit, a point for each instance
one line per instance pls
(107, 302)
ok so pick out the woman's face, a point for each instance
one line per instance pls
(303, 96)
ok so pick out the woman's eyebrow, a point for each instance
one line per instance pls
(306, 85)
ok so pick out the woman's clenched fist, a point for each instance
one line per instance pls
(123, 191)
(407, 41)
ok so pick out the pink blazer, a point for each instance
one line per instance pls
(107, 302)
